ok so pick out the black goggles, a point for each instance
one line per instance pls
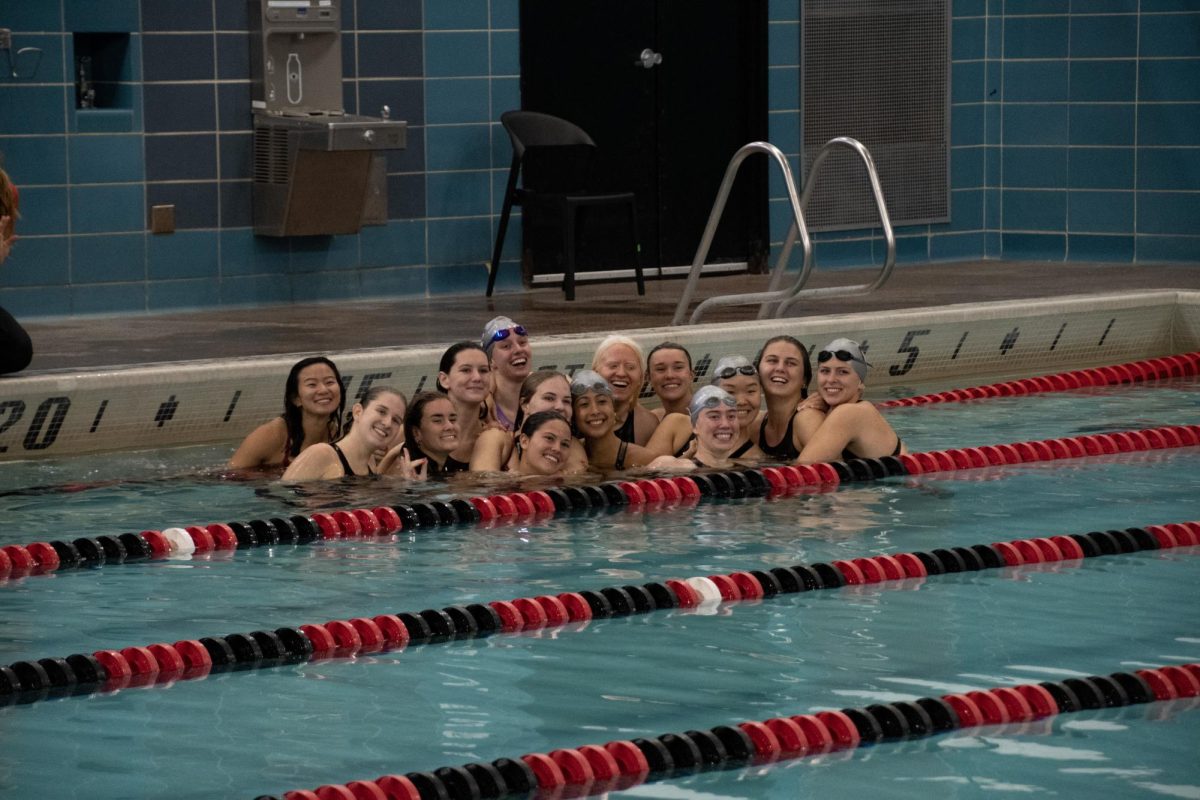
(729, 372)
(841, 355)
(504, 333)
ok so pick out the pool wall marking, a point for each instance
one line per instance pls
(53, 414)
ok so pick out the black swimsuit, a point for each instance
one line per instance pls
(625, 432)
(452, 465)
(785, 449)
(679, 453)
(346, 469)
(619, 462)
(741, 451)
(847, 454)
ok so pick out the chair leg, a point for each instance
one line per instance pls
(500, 232)
(569, 251)
(637, 247)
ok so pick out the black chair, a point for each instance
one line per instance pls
(555, 159)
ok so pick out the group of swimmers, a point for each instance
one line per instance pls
(492, 413)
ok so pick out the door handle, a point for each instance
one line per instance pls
(648, 59)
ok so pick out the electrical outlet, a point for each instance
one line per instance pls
(162, 219)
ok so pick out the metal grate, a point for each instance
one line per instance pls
(879, 71)
(271, 155)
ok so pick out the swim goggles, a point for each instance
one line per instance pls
(504, 333)
(729, 372)
(586, 381)
(841, 355)
(710, 397)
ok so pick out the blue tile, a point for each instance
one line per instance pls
(231, 15)
(1035, 81)
(783, 93)
(394, 55)
(236, 199)
(1101, 124)
(783, 44)
(459, 241)
(110, 16)
(1034, 210)
(114, 298)
(1169, 79)
(459, 279)
(406, 196)
(1100, 212)
(966, 210)
(969, 8)
(993, 128)
(1163, 124)
(1105, 6)
(1115, 249)
(506, 14)
(43, 211)
(318, 286)
(236, 154)
(457, 100)
(180, 108)
(993, 241)
(457, 194)
(412, 157)
(233, 56)
(108, 259)
(399, 243)
(182, 294)
(186, 254)
(324, 253)
(181, 157)
(106, 159)
(1104, 81)
(783, 10)
(1027, 123)
(243, 253)
(255, 290)
(1036, 246)
(1168, 35)
(506, 53)
(1150, 6)
(1101, 168)
(49, 68)
(1169, 168)
(195, 203)
(968, 39)
(32, 109)
(966, 167)
(1035, 167)
(1167, 213)
(966, 82)
(405, 98)
(1035, 37)
(102, 120)
(233, 107)
(107, 209)
(956, 246)
(506, 95)
(1104, 36)
(176, 15)
(395, 282)
(458, 147)
(1168, 248)
(993, 160)
(34, 159)
(456, 55)
(459, 15)
(393, 15)
(38, 261)
(35, 302)
(783, 130)
(992, 208)
(995, 35)
(22, 16)
(909, 249)
(1036, 6)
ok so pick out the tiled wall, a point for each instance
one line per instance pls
(1075, 125)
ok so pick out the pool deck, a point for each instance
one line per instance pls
(95, 342)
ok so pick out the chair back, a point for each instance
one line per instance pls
(554, 155)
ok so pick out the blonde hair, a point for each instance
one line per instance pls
(609, 342)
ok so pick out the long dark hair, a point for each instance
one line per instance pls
(536, 420)
(369, 397)
(293, 416)
(447, 364)
(412, 421)
(794, 342)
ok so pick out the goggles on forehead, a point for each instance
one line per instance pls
(729, 372)
(841, 355)
(504, 333)
(589, 381)
(714, 400)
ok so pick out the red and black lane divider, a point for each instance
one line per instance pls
(1183, 365)
(42, 557)
(163, 663)
(593, 769)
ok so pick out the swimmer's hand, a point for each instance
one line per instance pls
(813, 403)
(412, 470)
(673, 464)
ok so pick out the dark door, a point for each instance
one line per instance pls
(666, 132)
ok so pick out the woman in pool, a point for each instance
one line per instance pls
(507, 346)
(377, 425)
(431, 434)
(714, 416)
(596, 421)
(619, 361)
(669, 366)
(16, 349)
(464, 375)
(737, 376)
(543, 446)
(784, 373)
(312, 414)
(852, 428)
(544, 390)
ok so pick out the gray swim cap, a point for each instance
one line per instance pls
(845, 350)
(709, 397)
(499, 329)
(586, 381)
(729, 366)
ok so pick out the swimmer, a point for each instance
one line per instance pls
(376, 427)
(736, 375)
(16, 348)
(619, 361)
(312, 414)
(507, 346)
(544, 444)
(464, 375)
(853, 427)
(669, 366)
(596, 421)
(784, 373)
(431, 434)
(714, 416)
(544, 390)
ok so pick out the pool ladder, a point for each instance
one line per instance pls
(776, 301)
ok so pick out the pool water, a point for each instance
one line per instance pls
(267, 731)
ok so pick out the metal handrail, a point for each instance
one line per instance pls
(783, 299)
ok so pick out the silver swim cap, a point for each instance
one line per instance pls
(729, 366)
(497, 330)
(845, 350)
(586, 381)
(709, 397)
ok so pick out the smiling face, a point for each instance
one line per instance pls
(468, 380)
(512, 357)
(670, 375)
(717, 428)
(437, 435)
(622, 368)
(838, 382)
(381, 421)
(318, 390)
(781, 370)
(594, 414)
(552, 394)
(748, 393)
(545, 451)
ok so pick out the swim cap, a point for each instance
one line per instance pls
(709, 397)
(728, 366)
(845, 350)
(497, 330)
(586, 381)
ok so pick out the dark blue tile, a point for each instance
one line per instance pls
(108, 259)
(1042, 123)
(42, 109)
(1104, 36)
(505, 13)
(956, 246)
(1036, 246)
(49, 69)
(237, 198)
(405, 97)
(110, 298)
(186, 254)
(181, 157)
(969, 8)
(24, 16)
(783, 44)
(178, 57)
(111, 16)
(993, 160)
(458, 279)
(324, 254)
(399, 243)
(1035, 6)
(106, 209)
(255, 290)
(1100, 212)
(459, 241)
(456, 54)
(1101, 168)
(1104, 81)
(966, 210)
(232, 15)
(233, 107)
(233, 56)
(38, 261)
(176, 15)
(1034, 167)
(505, 53)
(236, 156)
(1169, 35)
(967, 39)
(966, 82)
(460, 15)
(1105, 6)
(43, 210)
(1035, 37)
(1101, 124)
(391, 55)
(1113, 249)
(34, 159)
(179, 108)
(195, 203)
(106, 159)
(1167, 213)
(243, 253)
(319, 286)
(201, 293)
(349, 59)
(1168, 248)
(909, 249)
(458, 147)
(783, 92)
(1169, 168)
(406, 196)
(1035, 81)
(1169, 79)
(412, 157)
(390, 16)
(457, 194)
(1034, 210)
(1165, 124)
(395, 282)
(35, 302)
(1151, 6)
(966, 167)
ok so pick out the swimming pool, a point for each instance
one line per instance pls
(266, 731)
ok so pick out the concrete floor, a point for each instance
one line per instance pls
(92, 342)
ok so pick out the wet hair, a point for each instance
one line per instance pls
(794, 342)
(668, 346)
(412, 421)
(293, 415)
(540, 418)
(451, 355)
(529, 388)
(369, 397)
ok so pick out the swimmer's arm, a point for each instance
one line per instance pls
(808, 421)
(669, 436)
(644, 425)
(840, 428)
(263, 446)
(577, 461)
(389, 464)
(638, 456)
(491, 450)
(316, 463)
